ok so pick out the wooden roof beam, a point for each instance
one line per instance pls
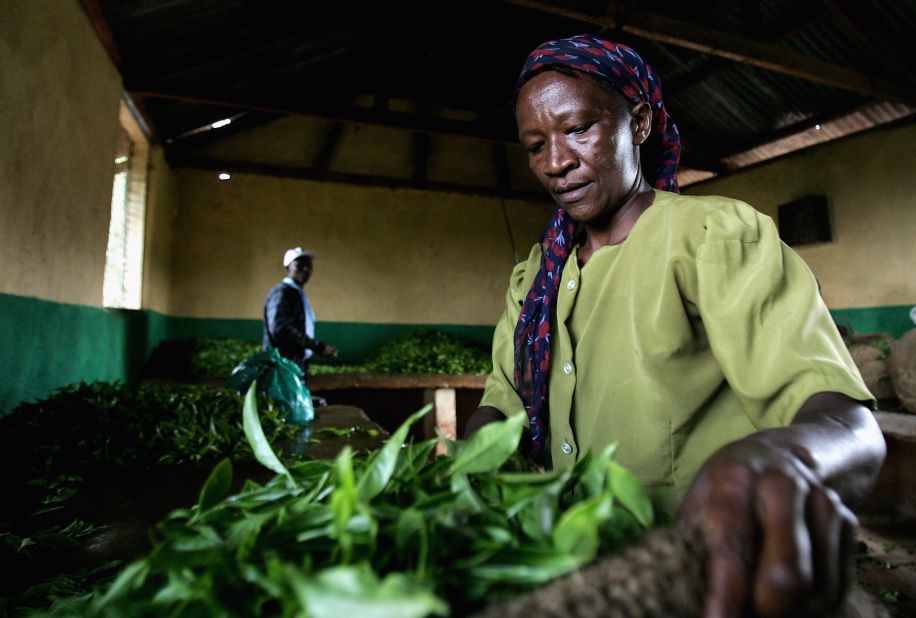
(309, 173)
(100, 25)
(345, 113)
(328, 147)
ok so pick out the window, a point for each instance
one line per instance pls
(123, 284)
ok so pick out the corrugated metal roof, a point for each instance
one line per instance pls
(193, 60)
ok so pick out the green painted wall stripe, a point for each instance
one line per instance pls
(355, 340)
(45, 345)
(893, 320)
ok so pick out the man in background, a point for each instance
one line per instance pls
(289, 320)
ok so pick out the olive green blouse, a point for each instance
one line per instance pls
(700, 328)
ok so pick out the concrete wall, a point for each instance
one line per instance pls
(161, 215)
(385, 256)
(58, 127)
(870, 184)
(58, 124)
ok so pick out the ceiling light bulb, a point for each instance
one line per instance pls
(221, 123)
(817, 127)
(225, 176)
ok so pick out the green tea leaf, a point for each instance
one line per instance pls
(630, 493)
(343, 501)
(416, 457)
(131, 577)
(411, 528)
(357, 591)
(517, 494)
(537, 516)
(527, 566)
(217, 485)
(255, 434)
(465, 496)
(576, 531)
(528, 478)
(490, 447)
(382, 464)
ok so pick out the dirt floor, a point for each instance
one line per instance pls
(886, 562)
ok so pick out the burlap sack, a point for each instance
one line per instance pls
(902, 369)
(869, 352)
(661, 577)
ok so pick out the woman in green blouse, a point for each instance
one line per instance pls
(682, 328)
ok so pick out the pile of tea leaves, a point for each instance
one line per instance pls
(202, 357)
(398, 533)
(48, 446)
(424, 351)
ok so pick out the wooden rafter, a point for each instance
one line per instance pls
(796, 128)
(329, 147)
(734, 47)
(420, 143)
(310, 173)
(220, 57)
(393, 119)
(100, 25)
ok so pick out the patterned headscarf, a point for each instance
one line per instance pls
(629, 74)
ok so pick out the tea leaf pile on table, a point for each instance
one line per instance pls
(216, 356)
(422, 351)
(431, 351)
(397, 533)
(200, 357)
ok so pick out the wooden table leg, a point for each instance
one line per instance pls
(443, 416)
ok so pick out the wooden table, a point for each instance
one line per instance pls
(439, 390)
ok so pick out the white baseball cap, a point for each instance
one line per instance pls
(296, 252)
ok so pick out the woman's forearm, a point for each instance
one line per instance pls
(832, 436)
(482, 416)
(840, 441)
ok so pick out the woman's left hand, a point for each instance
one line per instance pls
(779, 540)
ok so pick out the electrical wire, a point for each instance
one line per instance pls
(502, 202)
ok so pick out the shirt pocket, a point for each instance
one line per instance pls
(642, 430)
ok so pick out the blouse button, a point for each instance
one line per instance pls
(571, 285)
(566, 448)
(567, 368)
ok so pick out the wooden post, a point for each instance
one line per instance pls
(443, 416)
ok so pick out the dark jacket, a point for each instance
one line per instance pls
(284, 325)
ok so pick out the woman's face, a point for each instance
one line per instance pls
(580, 143)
